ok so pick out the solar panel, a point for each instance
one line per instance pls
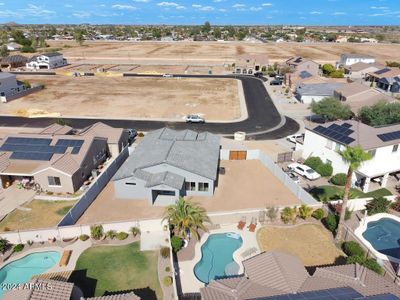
(27, 141)
(31, 156)
(346, 125)
(379, 72)
(329, 294)
(339, 133)
(381, 297)
(305, 74)
(390, 136)
(69, 143)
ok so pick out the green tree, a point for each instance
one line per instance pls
(354, 157)
(380, 114)
(327, 69)
(206, 27)
(331, 109)
(217, 33)
(377, 205)
(4, 245)
(186, 217)
(78, 36)
(4, 51)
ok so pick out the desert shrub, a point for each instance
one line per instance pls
(140, 134)
(121, 235)
(176, 243)
(4, 245)
(83, 237)
(164, 251)
(96, 232)
(167, 280)
(396, 205)
(347, 214)
(318, 213)
(313, 162)
(167, 269)
(288, 214)
(331, 222)
(18, 247)
(135, 231)
(272, 213)
(377, 205)
(352, 248)
(339, 179)
(325, 170)
(373, 265)
(305, 211)
(111, 234)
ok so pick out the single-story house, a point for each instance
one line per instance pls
(360, 70)
(13, 61)
(389, 84)
(307, 93)
(348, 59)
(13, 46)
(250, 64)
(299, 63)
(9, 85)
(169, 164)
(55, 159)
(386, 72)
(47, 61)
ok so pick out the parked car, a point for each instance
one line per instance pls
(279, 77)
(258, 74)
(194, 119)
(294, 177)
(304, 171)
(292, 138)
(168, 75)
(275, 82)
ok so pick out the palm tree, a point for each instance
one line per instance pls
(186, 218)
(354, 157)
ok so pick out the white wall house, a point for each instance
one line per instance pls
(351, 59)
(47, 61)
(382, 143)
(307, 93)
(9, 85)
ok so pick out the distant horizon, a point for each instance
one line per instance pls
(196, 12)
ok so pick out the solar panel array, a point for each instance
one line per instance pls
(379, 72)
(305, 74)
(345, 293)
(339, 133)
(390, 136)
(38, 148)
(381, 297)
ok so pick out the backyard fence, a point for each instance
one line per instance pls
(23, 93)
(359, 204)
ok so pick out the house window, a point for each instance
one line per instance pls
(372, 153)
(190, 186)
(54, 181)
(329, 144)
(395, 148)
(337, 147)
(130, 183)
(203, 186)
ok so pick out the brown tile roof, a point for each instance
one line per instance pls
(66, 163)
(126, 296)
(56, 129)
(112, 134)
(391, 72)
(363, 66)
(351, 89)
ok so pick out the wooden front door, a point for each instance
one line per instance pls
(237, 155)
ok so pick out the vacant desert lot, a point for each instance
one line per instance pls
(216, 52)
(129, 97)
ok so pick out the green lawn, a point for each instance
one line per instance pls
(330, 192)
(104, 270)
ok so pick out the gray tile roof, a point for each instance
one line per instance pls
(194, 152)
(168, 178)
(318, 89)
(356, 55)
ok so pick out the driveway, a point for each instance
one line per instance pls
(11, 198)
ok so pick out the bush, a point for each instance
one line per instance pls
(352, 248)
(168, 269)
(121, 235)
(272, 213)
(176, 243)
(135, 231)
(318, 214)
(140, 134)
(355, 259)
(313, 162)
(339, 179)
(325, 170)
(347, 214)
(167, 280)
(373, 265)
(28, 49)
(305, 211)
(164, 251)
(18, 247)
(83, 237)
(111, 234)
(288, 214)
(96, 232)
(4, 245)
(331, 222)
(377, 205)
(396, 205)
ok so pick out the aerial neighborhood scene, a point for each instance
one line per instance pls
(210, 149)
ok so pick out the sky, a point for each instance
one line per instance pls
(217, 12)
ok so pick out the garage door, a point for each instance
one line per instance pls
(237, 155)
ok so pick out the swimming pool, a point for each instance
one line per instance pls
(21, 270)
(217, 257)
(384, 236)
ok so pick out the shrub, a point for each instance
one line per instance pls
(318, 213)
(305, 211)
(18, 247)
(377, 205)
(168, 269)
(164, 251)
(83, 237)
(96, 232)
(272, 213)
(373, 265)
(121, 235)
(339, 179)
(288, 214)
(325, 170)
(140, 134)
(355, 259)
(347, 214)
(135, 231)
(4, 245)
(396, 205)
(167, 280)
(111, 234)
(331, 222)
(176, 243)
(313, 162)
(352, 248)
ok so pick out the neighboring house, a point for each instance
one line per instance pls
(13, 61)
(276, 274)
(341, 39)
(9, 85)
(348, 59)
(168, 164)
(47, 61)
(13, 46)
(55, 159)
(250, 64)
(360, 70)
(307, 93)
(389, 84)
(382, 143)
(301, 71)
(302, 64)
(357, 95)
(386, 72)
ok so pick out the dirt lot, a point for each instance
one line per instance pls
(216, 52)
(258, 188)
(311, 243)
(119, 97)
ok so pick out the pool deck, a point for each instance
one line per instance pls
(189, 282)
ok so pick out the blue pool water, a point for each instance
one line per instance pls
(217, 255)
(384, 236)
(21, 270)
